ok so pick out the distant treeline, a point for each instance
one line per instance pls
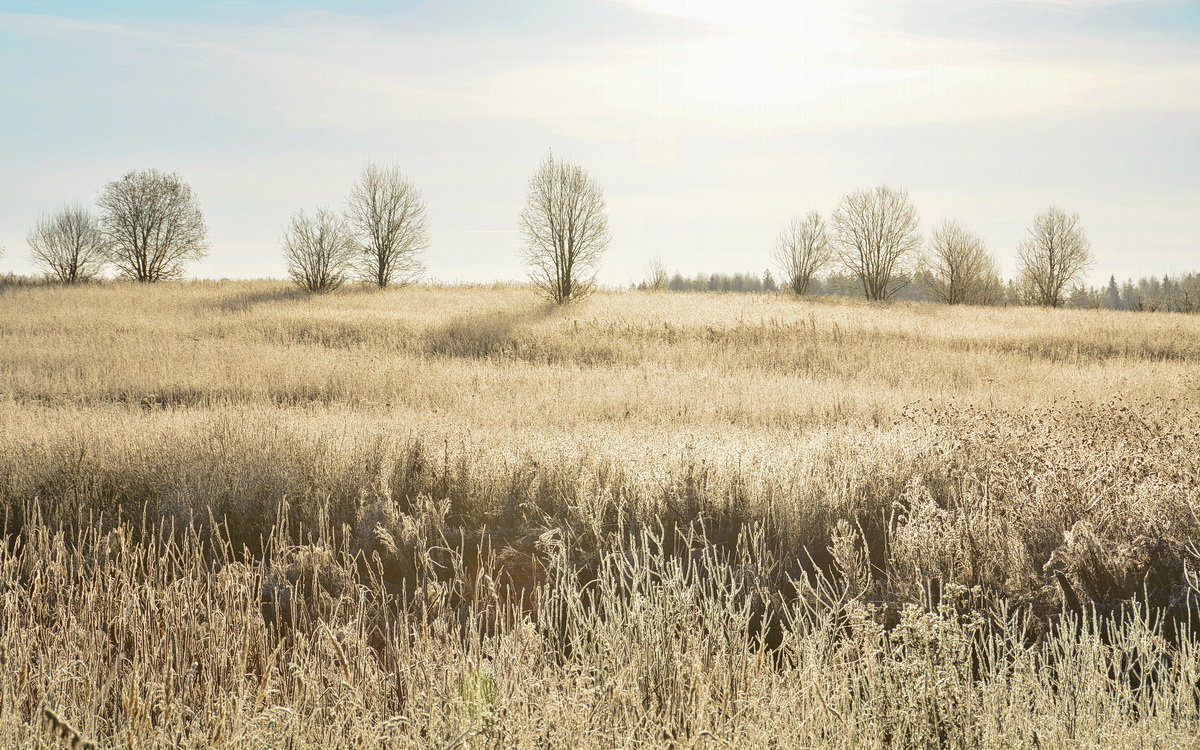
(1179, 293)
(148, 226)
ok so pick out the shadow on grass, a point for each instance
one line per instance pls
(483, 335)
(245, 301)
(249, 299)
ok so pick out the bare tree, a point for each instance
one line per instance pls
(1055, 253)
(565, 229)
(68, 245)
(388, 218)
(153, 225)
(877, 239)
(802, 250)
(656, 275)
(960, 268)
(320, 250)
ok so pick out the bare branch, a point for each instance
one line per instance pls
(802, 250)
(877, 239)
(153, 225)
(960, 268)
(565, 227)
(388, 218)
(320, 250)
(68, 245)
(1055, 253)
(656, 275)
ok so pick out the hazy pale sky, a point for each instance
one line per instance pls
(708, 123)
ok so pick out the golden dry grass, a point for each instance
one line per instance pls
(453, 516)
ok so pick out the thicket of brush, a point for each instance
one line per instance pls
(1003, 557)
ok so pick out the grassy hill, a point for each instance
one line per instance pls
(441, 515)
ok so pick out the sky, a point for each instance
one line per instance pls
(709, 124)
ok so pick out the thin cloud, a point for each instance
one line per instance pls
(677, 114)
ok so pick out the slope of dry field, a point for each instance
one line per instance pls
(239, 516)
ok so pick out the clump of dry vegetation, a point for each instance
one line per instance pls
(455, 517)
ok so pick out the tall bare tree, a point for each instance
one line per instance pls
(876, 233)
(387, 216)
(565, 227)
(68, 245)
(656, 275)
(153, 225)
(960, 268)
(1055, 254)
(320, 250)
(802, 249)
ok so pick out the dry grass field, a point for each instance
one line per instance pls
(454, 517)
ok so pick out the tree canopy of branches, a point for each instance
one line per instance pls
(320, 250)
(802, 250)
(960, 268)
(1055, 254)
(153, 225)
(388, 218)
(565, 227)
(656, 275)
(68, 245)
(877, 239)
